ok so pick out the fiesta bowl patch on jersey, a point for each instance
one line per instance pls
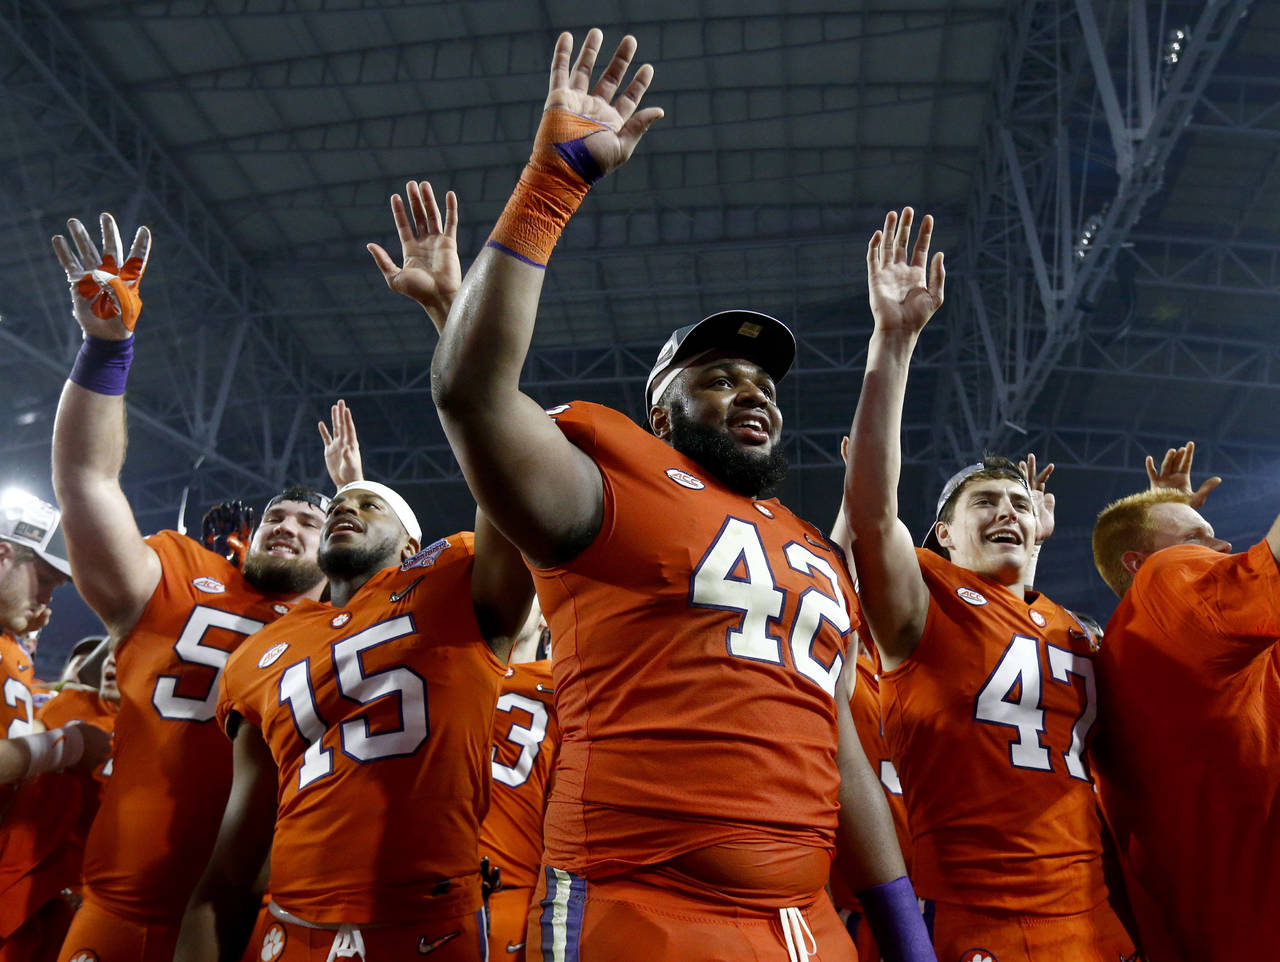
(975, 598)
(426, 557)
(209, 585)
(272, 654)
(684, 479)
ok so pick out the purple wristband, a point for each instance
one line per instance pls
(894, 915)
(102, 366)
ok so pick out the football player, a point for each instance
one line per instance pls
(700, 627)
(177, 609)
(362, 731)
(987, 690)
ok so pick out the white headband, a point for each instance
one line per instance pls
(398, 505)
(664, 382)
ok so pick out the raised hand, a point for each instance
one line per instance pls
(1175, 474)
(430, 272)
(104, 287)
(623, 123)
(342, 447)
(1044, 500)
(903, 291)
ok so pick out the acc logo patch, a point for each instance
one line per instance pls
(280, 609)
(337, 621)
(685, 480)
(85, 955)
(273, 943)
(210, 586)
(272, 654)
(765, 511)
(977, 599)
(426, 557)
(558, 409)
(1037, 618)
(978, 955)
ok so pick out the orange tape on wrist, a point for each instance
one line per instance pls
(552, 185)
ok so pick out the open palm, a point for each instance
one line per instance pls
(570, 89)
(904, 291)
(430, 272)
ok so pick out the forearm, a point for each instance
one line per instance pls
(875, 439)
(88, 441)
(14, 759)
(867, 846)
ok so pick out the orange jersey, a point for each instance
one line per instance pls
(697, 644)
(987, 722)
(42, 835)
(1188, 765)
(379, 716)
(172, 768)
(17, 675)
(526, 739)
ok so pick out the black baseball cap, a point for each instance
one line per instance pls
(750, 334)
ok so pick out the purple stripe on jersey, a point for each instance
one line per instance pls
(574, 899)
(518, 256)
(548, 911)
(482, 926)
(577, 904)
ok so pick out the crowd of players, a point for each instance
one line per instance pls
(732, 755)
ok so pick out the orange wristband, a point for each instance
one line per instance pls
(551, 186)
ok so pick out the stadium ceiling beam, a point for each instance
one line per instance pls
(1044, 228)
(520, 56)
(222, 281)
(1190, 261)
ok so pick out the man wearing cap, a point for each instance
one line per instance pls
(700, 627)
(176, 609)
(362, 732)
(987, 692)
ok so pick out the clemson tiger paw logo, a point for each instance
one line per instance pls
(272, 943)
(85, 955)
(978, 955)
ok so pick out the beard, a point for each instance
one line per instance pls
(753, 475)
(273, 575)
(348, 561)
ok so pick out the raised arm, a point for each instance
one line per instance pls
(114, 569)
(220, 915)
(539, 490)
(904, 291)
